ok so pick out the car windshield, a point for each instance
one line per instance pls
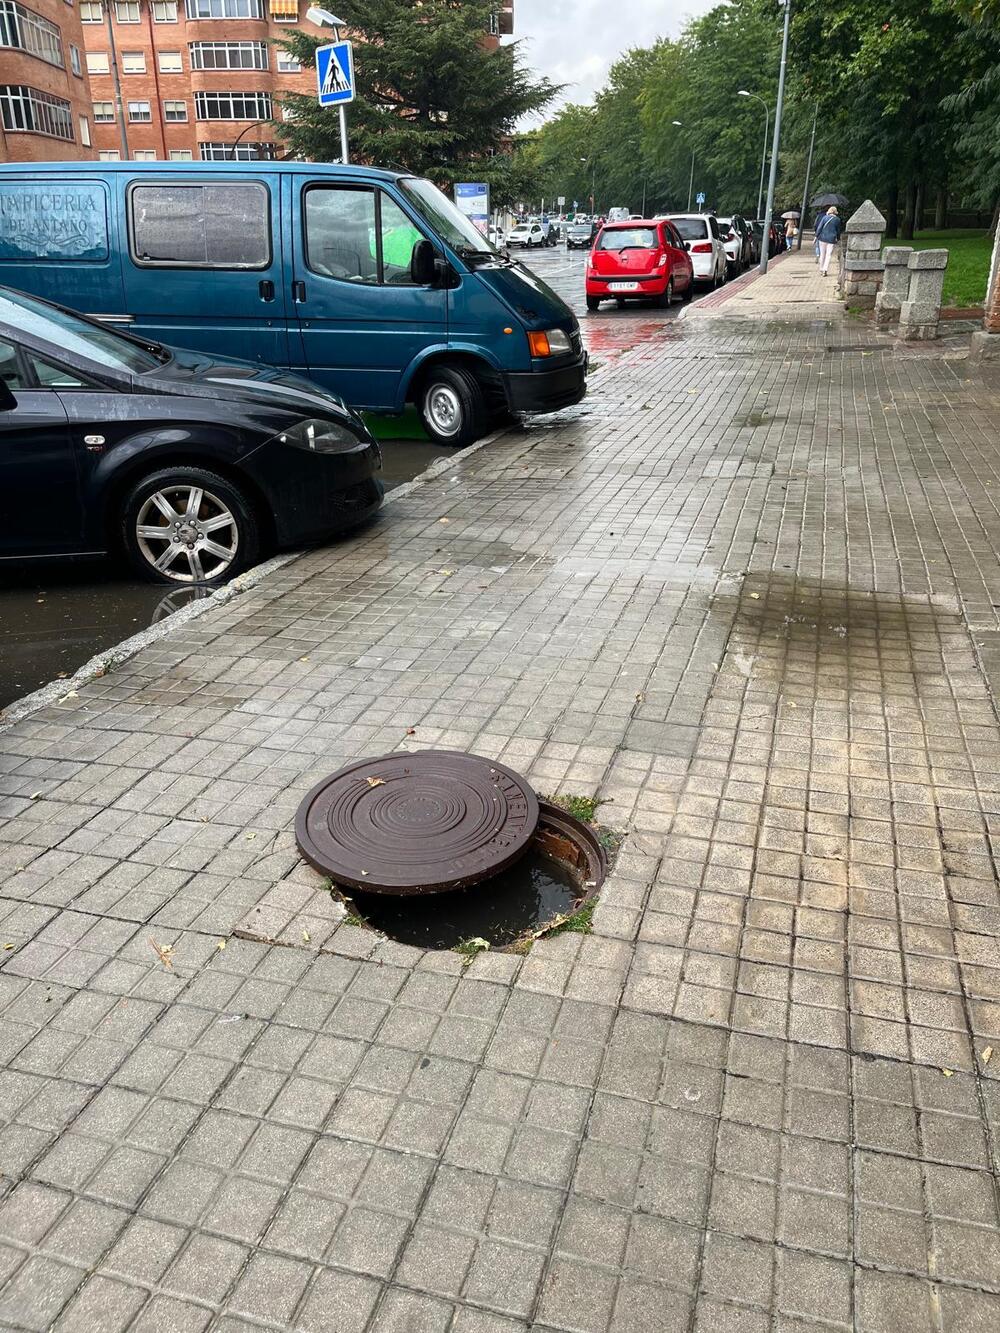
(440, 213)
(691, 229)
(628, 238)
(71, 334)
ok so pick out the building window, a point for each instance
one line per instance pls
(240, 152)
(104, 113)
(91, 11)
(170, 62)
(228, 55)
(127, 11)
(139, 112)
(175, 111)
(133, 62)
(85, 131)
(25, 110)
(181, 155)
(27, 31)
(232, 106)
(75, 63)
(144, 155)
(109, 155)
(225, 9)
(201, 226)
(164, 11)
(97, 62)
(287, 64)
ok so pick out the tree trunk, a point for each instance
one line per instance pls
(892, 229)
(909, 208)
(918, 208)
(941, 208)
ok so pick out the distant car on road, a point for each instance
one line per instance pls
(639, 260)
(528, 234)
(191, 465)
(700, 234)
(580, 235)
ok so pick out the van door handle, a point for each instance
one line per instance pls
(298, 292)
(266, 289)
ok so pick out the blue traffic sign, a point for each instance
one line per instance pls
(700, 198)
(335, 73)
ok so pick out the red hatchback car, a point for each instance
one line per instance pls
(638, 260)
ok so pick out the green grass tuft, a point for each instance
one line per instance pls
(581, 807)
(470, 947)
(581, 921)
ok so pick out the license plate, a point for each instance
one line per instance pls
(623, 286)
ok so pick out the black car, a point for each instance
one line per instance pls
(191, 465)
(580, 235)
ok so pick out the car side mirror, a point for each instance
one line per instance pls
(7, 399)
(687, 246)
(423, 264)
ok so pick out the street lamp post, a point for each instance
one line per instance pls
(122, 131)
(691, 177)
(805, 188)
(763, 157)
(593, 185)
(776, 142)
(232, 147)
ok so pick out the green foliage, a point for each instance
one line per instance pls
(581, 807)
(432, 98)
(580, 921)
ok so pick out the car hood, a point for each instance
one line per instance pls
(198, 374)
(531, 299)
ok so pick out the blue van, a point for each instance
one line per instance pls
(369, 282)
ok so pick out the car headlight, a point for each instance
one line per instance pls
(549, 342)
(320, 437)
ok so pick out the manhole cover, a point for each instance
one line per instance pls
(416, 823)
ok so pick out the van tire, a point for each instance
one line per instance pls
(220, 498)
(452, 406)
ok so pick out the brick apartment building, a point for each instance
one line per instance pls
(45, 110)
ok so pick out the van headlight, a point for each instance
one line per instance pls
(320, 437)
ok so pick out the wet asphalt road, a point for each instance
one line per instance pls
(54, 616)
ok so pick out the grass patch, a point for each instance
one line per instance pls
(581, 921)
(968, 268)
(469, 948)
(407, 426)
(581, 807)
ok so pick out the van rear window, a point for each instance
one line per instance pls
(201, 226)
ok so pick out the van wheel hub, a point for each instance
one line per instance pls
(444, 409)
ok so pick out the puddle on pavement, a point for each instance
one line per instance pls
(499, 910)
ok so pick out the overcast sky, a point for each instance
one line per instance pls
(575, 41)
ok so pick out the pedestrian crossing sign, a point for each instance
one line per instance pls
(335, 73)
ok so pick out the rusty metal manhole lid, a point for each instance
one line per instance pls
(416, 823)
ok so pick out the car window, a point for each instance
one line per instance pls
(628, 238)
(10, 366)
(399, 236)
(692, 229)
(51, 376)
(201, 226)
(340, 233)
(713, 223)
(672, 236)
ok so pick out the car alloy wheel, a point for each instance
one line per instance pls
(187, 534)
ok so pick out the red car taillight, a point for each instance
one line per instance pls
(702, 248)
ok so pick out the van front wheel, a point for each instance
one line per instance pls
(452, 407)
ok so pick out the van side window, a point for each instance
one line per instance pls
(340, 233)
(201, 226)
(399, 236)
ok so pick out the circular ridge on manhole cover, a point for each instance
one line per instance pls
(416, 823)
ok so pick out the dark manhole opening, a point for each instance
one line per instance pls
(445, 850)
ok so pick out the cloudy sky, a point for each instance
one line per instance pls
(575, 41)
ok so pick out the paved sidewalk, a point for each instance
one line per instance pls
(792, 280)
(748, 594)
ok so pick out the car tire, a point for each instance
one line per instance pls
(666, 298)
(593, 302)
(688, 291)
(451, 406)
(214, 532)
(620, 302)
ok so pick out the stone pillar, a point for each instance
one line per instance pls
(986, 342)
(895, 287)
(861, 275)
(920, 312)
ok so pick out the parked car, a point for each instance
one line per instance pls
(735, 236)
(495, 236)
(528, 234)
(580, 235)
(756, 239)
(644, 260)
(191, 465)
(549, 232)
(618, 214)
(700, 234)
(371, 283)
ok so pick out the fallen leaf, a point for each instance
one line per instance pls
(986, 1054)
(251, 836)
(306, 936)
(948, 1073)
(445, 573)
(165, 953)
(640, 698)
(72, 695)
(411, 731)
(303, 659)
(10, 946)
(376, 782)
(34, 796)
(444, 520)
(755, 596)
(221, 944)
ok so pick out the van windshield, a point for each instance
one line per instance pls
(71, 334)
(439, 212)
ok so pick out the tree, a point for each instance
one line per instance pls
(432, 97)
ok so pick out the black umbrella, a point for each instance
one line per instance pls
(830, 200)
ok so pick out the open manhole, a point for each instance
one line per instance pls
(437, 849)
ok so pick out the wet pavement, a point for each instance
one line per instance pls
(56, 615)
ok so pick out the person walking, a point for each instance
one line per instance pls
(820, 214)
(791, 231)
(828, 230)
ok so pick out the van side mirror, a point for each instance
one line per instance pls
(423, 264)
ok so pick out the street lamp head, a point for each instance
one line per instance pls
(742, 92)
(323, 18)
(677, 122)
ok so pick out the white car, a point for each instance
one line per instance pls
(526, 234)
(495, 237)
(700, 234)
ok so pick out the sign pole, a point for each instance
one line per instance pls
(343, 135)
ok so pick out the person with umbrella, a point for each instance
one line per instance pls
(791, 221)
